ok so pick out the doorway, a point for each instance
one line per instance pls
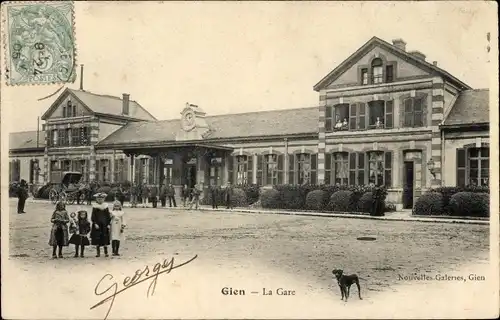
(408, 184)
(190, 175)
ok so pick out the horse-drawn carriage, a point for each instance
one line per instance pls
(66, 187)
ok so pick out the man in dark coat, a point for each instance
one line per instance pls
(22, 195)
(91, 191)
(133, 195)
(214, 192)
(229, 195)
(171, 195)
(154, 195)
(163, 194)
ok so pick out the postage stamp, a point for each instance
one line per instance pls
(39, 43)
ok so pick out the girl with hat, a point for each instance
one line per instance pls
(101, 219)
(117, 227)
(82, 229)
(59, 233)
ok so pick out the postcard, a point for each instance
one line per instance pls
(236, 160)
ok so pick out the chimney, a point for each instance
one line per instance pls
(399, 43)
(435, 63)
(417, 54)
(126, 103)
(81, 77)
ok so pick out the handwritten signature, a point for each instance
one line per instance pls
(140, 276)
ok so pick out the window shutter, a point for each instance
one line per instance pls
(328, 168)
(230, 168)
(291, 168)
(281, 164)
(361, 168)
(389, 73)
(408, 113)
(260, 160)
(388, 169)
(126, 166)
(352, 116)
(362, 116)
(250, 169)
(329, 118)
(461, 168)
(389, 110)
(417, 110)
(352, 168)
(314, 168)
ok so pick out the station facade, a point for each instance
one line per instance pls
(386, 116)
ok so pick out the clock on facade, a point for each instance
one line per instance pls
(188, 122)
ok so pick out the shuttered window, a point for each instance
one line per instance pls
(413, 112)
(389, 111)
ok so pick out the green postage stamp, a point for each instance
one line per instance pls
(39, 42)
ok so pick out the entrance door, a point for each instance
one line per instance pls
(408, 176)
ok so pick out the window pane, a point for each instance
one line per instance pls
(408, 119)
(418, 119)
(474, 152)
(485, 152)
(473, 175)
(417, 104)
(408, 105)
(352, 178)
(388, 178)
(361, 160)
(485, 165)
(473, 163)
(361, 177)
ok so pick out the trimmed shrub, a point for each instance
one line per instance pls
(317, 200)
(239, 198)
(342, 201)
(252, 192)
(448, 192)
(365, 203)
(430, 203)
(472, 204)
(270, 199)
(291, 196)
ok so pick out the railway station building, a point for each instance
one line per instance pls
(385, 116)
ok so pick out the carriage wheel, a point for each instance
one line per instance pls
(53, 196)
(82, 197)
(63, 197)
(70, 198)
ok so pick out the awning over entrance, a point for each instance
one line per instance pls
(187, 149)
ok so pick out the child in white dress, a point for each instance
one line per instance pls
(117, 227)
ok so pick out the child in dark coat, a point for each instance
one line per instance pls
(59, 233)
(80, 236)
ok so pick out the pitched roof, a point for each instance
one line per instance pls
(252, 124)
(471, 107)
(26, 140)
(375, 41)
(104, 104)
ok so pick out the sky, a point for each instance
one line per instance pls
(241, 57)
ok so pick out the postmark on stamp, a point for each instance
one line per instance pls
(39, 42)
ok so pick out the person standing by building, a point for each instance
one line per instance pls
(133, 195)
(145, 193)
(59, 234)
(171, 196)
(101, 220)
(195, 197)
(163, 194)
(91, 191)
(117, 227)
(22, 195)
(119, 194)
(214, 192)
(185, 193)
(229, 195)
(153, 194)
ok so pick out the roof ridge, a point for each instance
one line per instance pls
(99, 94)
(26, 131)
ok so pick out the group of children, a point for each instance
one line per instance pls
(105, 227)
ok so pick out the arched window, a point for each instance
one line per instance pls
(341, 168)
(302, 168)
(377, 71)
(241, 169)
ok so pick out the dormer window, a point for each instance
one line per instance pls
(377, 71)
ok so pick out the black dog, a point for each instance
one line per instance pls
(345, 282)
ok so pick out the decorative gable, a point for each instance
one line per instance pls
(66, 106)
(193, 124)
(393, 69)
